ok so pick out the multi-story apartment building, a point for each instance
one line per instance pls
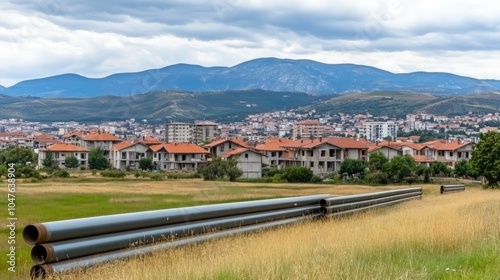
(377, 131)
(308, 129)
(198, 132)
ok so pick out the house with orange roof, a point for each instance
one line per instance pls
(448, 151)
(321, 155)
(178, 156)
(61, 151)
(248, 160)
(127, 154)
(102, 140)
(218, 147)
(389, 151)
(272, 150)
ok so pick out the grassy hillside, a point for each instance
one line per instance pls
(476, 103)
(376, 103)
(158, 106)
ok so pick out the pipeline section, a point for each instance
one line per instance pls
(62, 250)
(335, 206)
(77, 228)
(43, 270)
(451, 188)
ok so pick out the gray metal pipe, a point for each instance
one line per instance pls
(89, 261)
(327, 210)
(451, 188)
(77, 228)
(68, 249)
(360, 197)
(360, 209)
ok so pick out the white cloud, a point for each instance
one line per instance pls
(96, 38)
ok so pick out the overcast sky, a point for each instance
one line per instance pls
(97, 38)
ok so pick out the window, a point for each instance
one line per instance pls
(451, 154)
(273, 154)
(311, 153)
(246, 155)
(124, 155)
(311, 164)
(323, 153)
(303, 153)
(332, 153)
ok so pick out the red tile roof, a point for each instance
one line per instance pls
(237, 141)
(101, 137)
(149, 140)
(64, 147)
(236, 151)
(126, 144)
(179, 148)
(444, 145)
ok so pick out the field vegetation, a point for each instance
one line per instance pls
(455, 236)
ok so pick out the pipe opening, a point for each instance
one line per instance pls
(323, 210)
(38, 272)
(323, 203)
(34, 234)
(39, 254)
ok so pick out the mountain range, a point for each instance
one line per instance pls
(268, 74)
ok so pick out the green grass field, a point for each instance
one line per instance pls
(406, 246)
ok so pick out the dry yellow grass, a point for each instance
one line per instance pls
(438, 237)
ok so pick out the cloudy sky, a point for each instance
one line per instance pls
(40, 38)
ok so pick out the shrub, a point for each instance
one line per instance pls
(297, 174)
(156, 176)
(316, 179)
(60, 173)
(113, 174)
(377, 178)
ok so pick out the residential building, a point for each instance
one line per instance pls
(321, 155)
(308, 129)
(61, 151)
(378, 131)
(127, 154)
(198, 132)
(248, 160)
(178, 156)
(220, 146)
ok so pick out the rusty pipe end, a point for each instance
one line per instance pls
(35, 234)
(42, 253)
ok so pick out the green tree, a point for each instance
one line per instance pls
(400, 167)
(352, 167)
(97, 160)
(297, 174)
(18, 156)
(376, 161)
(219, 169)
(232, 170)
(71, 162)
(146, 164)
(486, 158)
(439, 168)
(49, 162)
(461, 168)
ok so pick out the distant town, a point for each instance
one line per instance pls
(281, 138)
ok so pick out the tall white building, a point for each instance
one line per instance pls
(308, 129)
(198, 132)
(376, 131)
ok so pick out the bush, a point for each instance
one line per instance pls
(60, 173)
(113, 174)
(377, 178)
(297, 174)
(194, 175)
(156, 176)
(316, 179)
